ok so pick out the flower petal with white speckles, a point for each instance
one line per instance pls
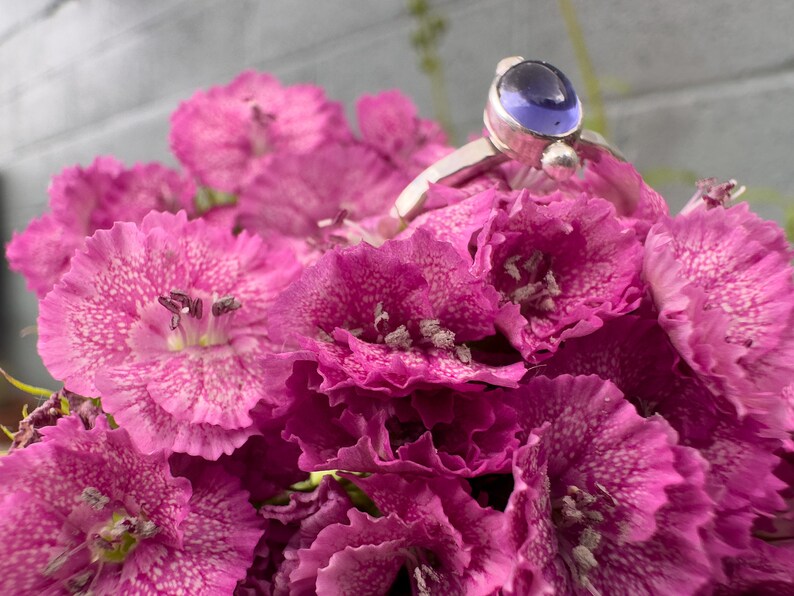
(297, 191)
(220, 534)
(594, 261)
(722, 282)
(85, 321)
(125, 394)
(219, 134)
(381, 368)
(597, 437)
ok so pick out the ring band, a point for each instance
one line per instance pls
(532, 116)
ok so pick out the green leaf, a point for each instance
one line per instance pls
(29, 389)
(207, 198)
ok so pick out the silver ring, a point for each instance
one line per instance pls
(533, 116)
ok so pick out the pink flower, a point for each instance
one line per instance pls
(321, 199)
(562, 268)
(116, 521)
(292, 527)
(721, 280)
(633, 353)
(432, 431)
(443, 539)
(604, 500)
(390, 124)
(166, 323)
(637, 205)
(220, 135)
(392, 317)
(84, 200)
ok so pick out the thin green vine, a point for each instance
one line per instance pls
(430, 29)
(597, 118)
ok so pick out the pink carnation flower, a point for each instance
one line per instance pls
(389, 123)
(637, 205)
(84, 200)
(433, 538)
(432, 431)
(116, 521)
(166, 323)
(633, 353)
(722, 283)
(320, 199)
(562, 268)
(392, 317)
(221, 135)
(604, 500)
(292, 527)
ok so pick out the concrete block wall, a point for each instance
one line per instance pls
(705, 86)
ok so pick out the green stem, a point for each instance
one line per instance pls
(438, 90)
(595, 100)
(430, 28)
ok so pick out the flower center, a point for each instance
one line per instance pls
(529, 282)
(107, 540)
(404, 336)
(188, 324)
(260, 143)
(577, 516)
(117, 538)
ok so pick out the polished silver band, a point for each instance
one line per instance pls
(558, 155)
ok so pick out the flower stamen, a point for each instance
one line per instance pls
(225, 305)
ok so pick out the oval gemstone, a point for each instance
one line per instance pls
(540, 98)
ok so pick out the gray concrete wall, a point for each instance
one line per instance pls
(706, 86)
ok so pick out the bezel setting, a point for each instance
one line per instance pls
(553, 153)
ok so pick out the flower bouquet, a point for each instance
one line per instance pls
(274, 385)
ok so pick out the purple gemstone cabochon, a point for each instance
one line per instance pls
(540, 98)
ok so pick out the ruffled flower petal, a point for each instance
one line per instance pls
(166, 322)
(296, 192)
(393, 316)
(605, 500)
(722, 283)
(117, 521)
(389, 122)
(435, 530)
(84, 200)
(562, 269)
(220, 135)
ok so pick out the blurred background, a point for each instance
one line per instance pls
(685, 89)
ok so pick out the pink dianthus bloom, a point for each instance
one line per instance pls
(604, 500)
(432, 538)
(117, 521)
(392, 317)
(634, 354)
(389, 123)
(166, 323)
(84, 200)
(221, 135)
(721, 280)
(561, 267)
(432, 431)
(332, 196)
